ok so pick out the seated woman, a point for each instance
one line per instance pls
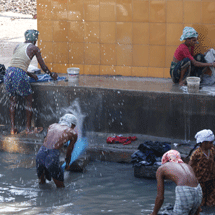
(184, 63)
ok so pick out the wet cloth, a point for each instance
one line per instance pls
(209, 79)
(47, 161)
(187, 200)
(203, 167)
(210, 58)
(171, 156)
(188, 32)
(17, 82)
(121, 139)
(198, 71)
(45, 78)
(149, 153)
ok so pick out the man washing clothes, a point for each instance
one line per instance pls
(16, 78)
(188, 191)
(47, 159)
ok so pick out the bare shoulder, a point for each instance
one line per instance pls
(160, 170)
(72, 133)
(34, 48)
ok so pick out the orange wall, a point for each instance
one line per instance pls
(120, 37)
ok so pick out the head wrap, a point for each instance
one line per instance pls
(188, 32)
(171, 156)
(31, 35)
(68, 119)
(204, 135)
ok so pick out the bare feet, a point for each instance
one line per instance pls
(59, 184)
(42, 179)
(182, 83)
(35, 130)
(13, 131)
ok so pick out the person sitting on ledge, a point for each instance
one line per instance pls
(184, 63)
(16, 78)
(188, 191)
(47, 158)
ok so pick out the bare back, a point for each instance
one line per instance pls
(180, 173)
(57, 135)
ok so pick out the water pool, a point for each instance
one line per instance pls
(104, 188)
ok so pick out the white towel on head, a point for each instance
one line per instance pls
(68, 119)
(204, 135)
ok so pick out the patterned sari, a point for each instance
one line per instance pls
(204, 168)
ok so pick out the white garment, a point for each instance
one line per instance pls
(210, 58)
(209, 80)
(204, 135)
(20, 57)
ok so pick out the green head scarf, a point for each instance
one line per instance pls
(188, 32)
(31, 35)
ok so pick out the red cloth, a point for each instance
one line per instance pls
(183, 52)
(120, 139)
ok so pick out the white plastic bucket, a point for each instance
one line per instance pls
(73, 74)
(193, 84)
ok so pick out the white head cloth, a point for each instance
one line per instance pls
(204, 135)
(68, 119)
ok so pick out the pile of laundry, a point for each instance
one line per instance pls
(121, 139)
(149, 153)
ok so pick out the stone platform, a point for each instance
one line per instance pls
(119, 105)
(149, 108)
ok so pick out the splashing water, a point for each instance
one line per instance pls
(75, 109)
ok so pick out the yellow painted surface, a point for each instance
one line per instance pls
(120, 37)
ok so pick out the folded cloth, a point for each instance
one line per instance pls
(121, 139)
(45, 78)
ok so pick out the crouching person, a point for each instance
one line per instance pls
(188, 191)
(47, 159)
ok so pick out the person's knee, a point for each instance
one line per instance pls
(187, 61)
